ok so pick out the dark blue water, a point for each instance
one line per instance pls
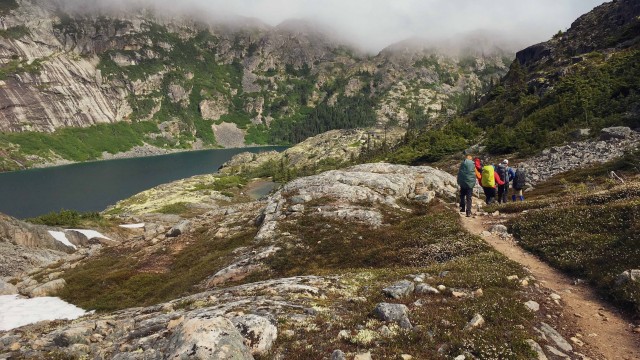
(94, 186)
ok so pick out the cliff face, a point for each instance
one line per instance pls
(274, 84)
(45, 87)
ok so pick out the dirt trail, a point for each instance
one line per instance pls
(614, 339)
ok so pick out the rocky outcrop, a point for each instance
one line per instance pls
(341, 192)
(55, 88)
(580, 154)
(208, 338)
(335, 146)
(229, 135)
(231, 323)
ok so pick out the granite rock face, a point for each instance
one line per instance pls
(342, 192)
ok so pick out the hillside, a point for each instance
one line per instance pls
(117, 81)
(564, 90)
(585, 78)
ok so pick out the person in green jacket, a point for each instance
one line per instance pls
(466, 181)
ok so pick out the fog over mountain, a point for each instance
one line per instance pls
(375, 24)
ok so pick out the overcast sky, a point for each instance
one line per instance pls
(374, 24)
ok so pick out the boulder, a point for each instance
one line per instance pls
(338, 355)
(532, 305)
(616, 132)
(48, 289)
(424, 289)
(399, 290)
(397, 313)
(537, 348)
(627, 276)
(181, 228)
(476, 322)
(499, 229)
(258, 331)
(556, 337)
(363, 356)
(215, 338)
(7, 288)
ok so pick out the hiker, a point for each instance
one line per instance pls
(466, 181)
(519, 181)
(506, 174)
(490, 180)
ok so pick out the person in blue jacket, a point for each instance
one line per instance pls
(507, 175)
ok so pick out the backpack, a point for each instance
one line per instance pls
(520, 179)
(488, 177)
(502, 172)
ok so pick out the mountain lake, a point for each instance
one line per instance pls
(92, 186)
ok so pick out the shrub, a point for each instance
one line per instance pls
(65, 218)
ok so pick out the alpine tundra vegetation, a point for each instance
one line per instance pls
(349, 243)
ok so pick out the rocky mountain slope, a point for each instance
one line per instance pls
(586, 77)
(184, 83)
(271, 279)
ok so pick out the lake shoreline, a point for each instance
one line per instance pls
(93, 186)
(143, 151)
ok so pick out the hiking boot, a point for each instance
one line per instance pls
(513, 198)
(468, 213)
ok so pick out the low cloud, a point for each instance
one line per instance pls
(375, 24)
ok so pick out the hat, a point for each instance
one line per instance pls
(505, 161)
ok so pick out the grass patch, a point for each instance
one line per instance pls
(82, 144)
(596, 238)
(178, 208)
(68, 219)
(116, 280)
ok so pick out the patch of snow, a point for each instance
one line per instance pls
(17, 311)
(90, 234)
(132, 226)
(60, 236)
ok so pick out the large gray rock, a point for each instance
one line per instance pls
(258, 331)
(7, 288)
(537, 348)
(48, 289)
(616, 132)
(338, 355)
(627, 276)
(181, 228)
(476, 322)
(556, 337)
(397, 313)
(345, 191)
(399, 290)
(426, 289)
(214, 338)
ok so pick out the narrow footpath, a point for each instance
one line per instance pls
(610, 334)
